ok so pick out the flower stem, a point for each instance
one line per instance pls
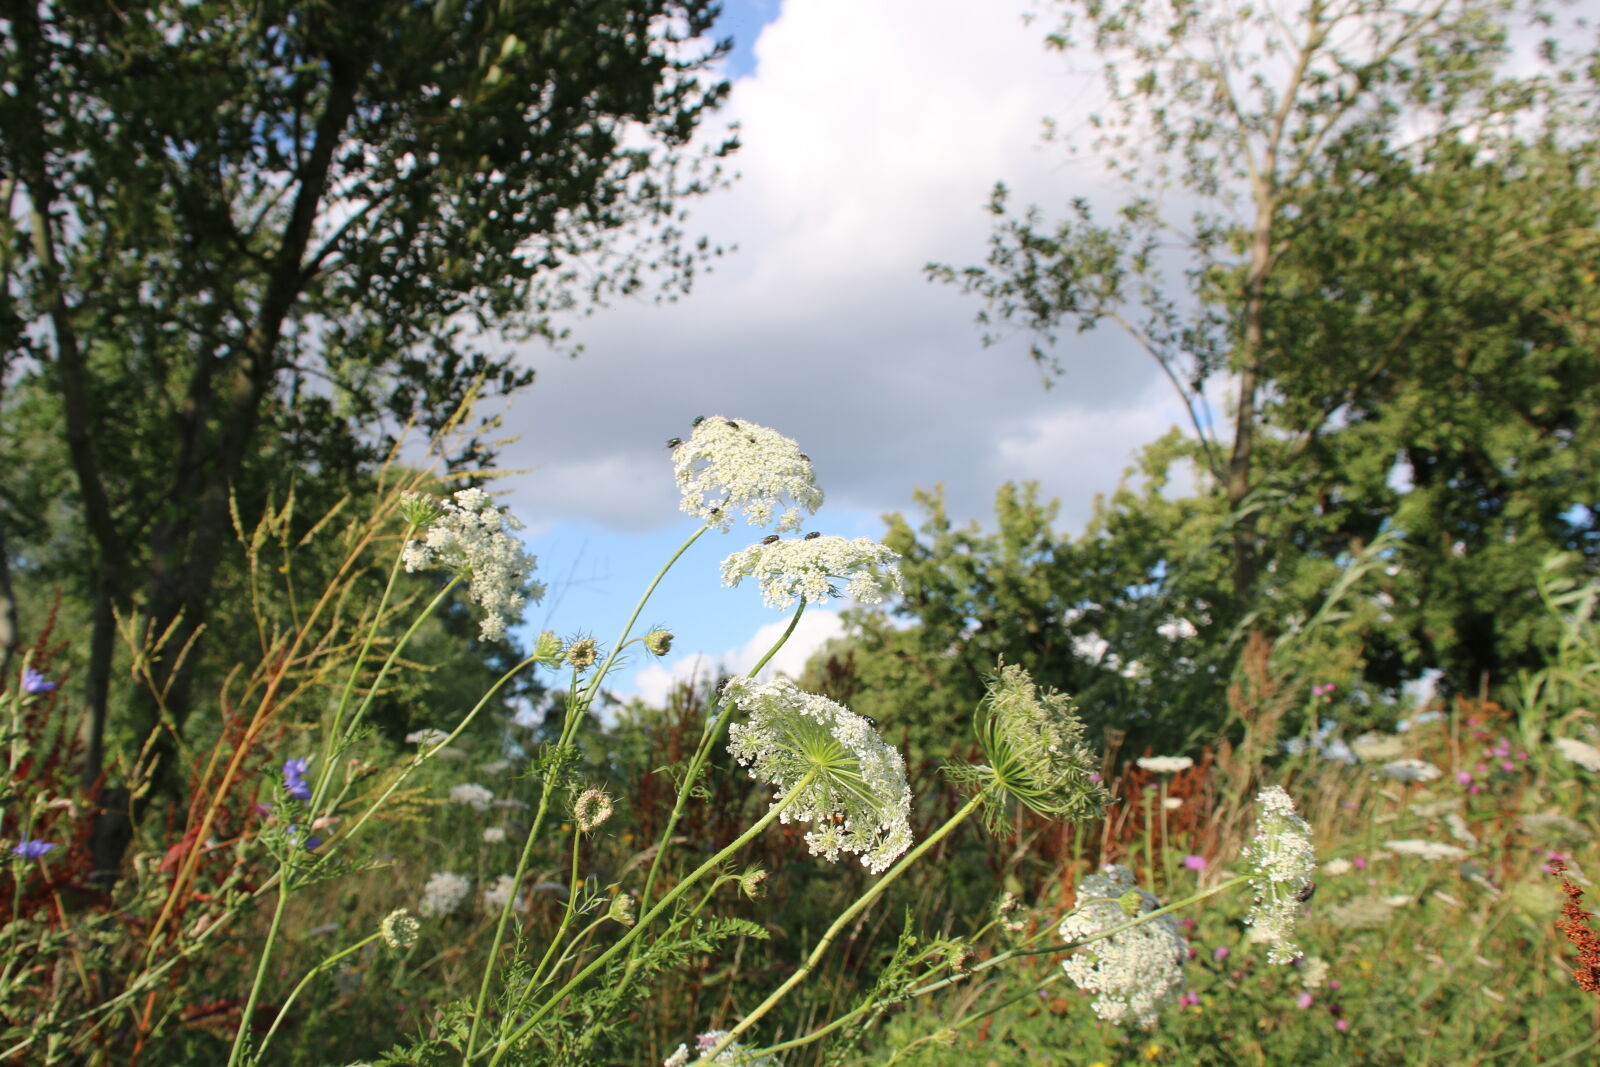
(843, 920)
(242, 1034)
(505, 1043)
(312, 973)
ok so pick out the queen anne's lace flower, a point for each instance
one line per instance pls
(729, 466)
(1428, 850)
(1164, 764)
(859, 800)
(735, 1053)
(444, 893)
(1282, 862)
(807, 566)
(1134, 972)
(473, 794)
(1411, 770)
(495, 897)
(471, 538)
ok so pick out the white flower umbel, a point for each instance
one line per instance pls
(1036, 752)
(495, 897)
(471, 793)
(1282, 862)
(729, 465)
(472, 538)
(858, 800)
(443, 894)
(1411, 770)
(1164, 764)
(1428, 850)
(1582, 753)
(1134, 972)
(807, 567)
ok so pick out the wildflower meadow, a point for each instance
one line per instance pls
(785, 893)
(454, 610)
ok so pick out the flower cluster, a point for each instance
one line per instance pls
(857, 799)
(735, 1053)
(443, 893)
(1282, 862)
(495, 897)
(294, 777)
(807, 566)
(1135, 972)
(471, 793)
(1035, 748)
(398, 929)
(726, 466)
(1164, 764)
(592, 808)
(471, 537)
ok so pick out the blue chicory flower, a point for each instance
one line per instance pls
(312, 842)
(35, 683)
(32, 850)
(294, 777)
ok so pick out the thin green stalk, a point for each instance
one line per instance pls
(844, 919)
(575, 709)
(312, 973)
(566, 919)
(243, 1032)
(708, 736)
(326, 773)
(504, 1044)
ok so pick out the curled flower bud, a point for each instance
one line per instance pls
(1036, 751)
(753, 883)
(398, 929)
(548, 648)
(658, 642)
(621, 909)
(592, 809)
(582, 653)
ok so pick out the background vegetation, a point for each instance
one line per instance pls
(293, 229)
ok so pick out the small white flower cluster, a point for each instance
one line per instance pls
(1411, 770)
(729, 466)
(471, 793)
(495, 897)
(858, 802)
(1282, 862)
(427, 737)
(806, 566)
(443, 893)
(472, 538)
(735, 1053)
(1164, 764)
(1582, 753)
(1136, 972)
(494, 835)
(1428, 850)
(398, 929)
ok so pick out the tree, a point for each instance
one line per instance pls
(1280, 129)
(248, 238)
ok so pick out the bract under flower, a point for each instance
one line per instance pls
(787, 569)
(728, 466)
(1035, 748)
(858, 800)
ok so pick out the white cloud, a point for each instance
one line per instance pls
(872, 134)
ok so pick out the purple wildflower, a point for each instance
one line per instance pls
(1220, 952)
(294, 777)
(1195, 863)
(32, 850)
(35, 683)
(293, 834)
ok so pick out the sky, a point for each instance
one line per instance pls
(871, 137)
